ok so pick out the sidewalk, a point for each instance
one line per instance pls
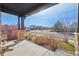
(26, 48)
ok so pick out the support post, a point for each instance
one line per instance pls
(22, 22)
(18, 23)
(77, 37)
(21, 32)
(0, 18)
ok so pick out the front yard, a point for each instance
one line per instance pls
(67, 47)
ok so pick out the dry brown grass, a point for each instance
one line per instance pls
(34, 38)
(42, 40)
(45, 41)
(29, 37)
(54, 43)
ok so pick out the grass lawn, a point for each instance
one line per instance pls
(67, 47)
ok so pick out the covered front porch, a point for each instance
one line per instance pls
(23, 11)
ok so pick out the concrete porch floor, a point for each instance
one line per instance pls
(26, 48)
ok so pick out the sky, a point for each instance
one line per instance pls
(66, 13)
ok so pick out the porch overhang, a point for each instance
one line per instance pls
(24, 9)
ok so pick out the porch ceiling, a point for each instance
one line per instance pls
(21, 9)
